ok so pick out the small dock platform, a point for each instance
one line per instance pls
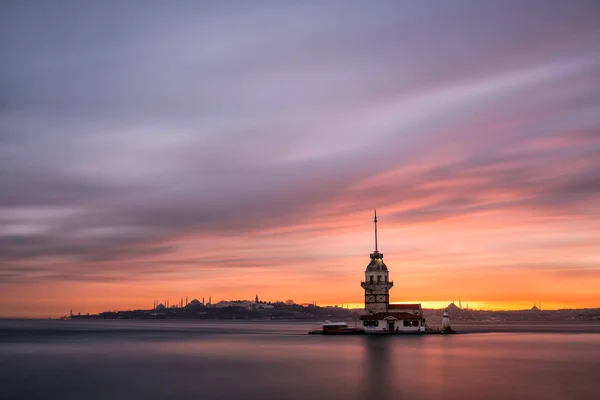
(363, 332)
(341, 328)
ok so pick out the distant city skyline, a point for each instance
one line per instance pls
(150, 150)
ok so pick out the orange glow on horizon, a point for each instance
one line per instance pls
(487, 264)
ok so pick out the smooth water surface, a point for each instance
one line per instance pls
(268, 360)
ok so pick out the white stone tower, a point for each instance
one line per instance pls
(377, 284)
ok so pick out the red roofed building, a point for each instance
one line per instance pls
(406, 307)
(381, 315)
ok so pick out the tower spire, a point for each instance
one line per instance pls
(375, 221)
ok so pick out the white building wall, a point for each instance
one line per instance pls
(383, 327)
(380, 328)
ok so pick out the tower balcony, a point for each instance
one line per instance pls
(375, 284)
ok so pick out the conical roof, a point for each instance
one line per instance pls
(376, 263)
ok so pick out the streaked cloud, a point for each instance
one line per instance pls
(142, 144)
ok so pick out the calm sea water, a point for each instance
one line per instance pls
(267, 360)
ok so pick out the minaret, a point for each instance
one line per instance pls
(377, 284)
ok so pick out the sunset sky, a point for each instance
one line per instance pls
(157, 150)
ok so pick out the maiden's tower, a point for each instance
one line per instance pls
(380, 315)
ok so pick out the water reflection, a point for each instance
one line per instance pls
(269, 361)
(378, 368)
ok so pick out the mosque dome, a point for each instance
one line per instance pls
(193, 304)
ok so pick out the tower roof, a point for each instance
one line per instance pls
(377, 263)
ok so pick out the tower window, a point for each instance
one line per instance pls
(371, 278)
(378, 278)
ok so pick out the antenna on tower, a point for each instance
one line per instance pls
(375, 221)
